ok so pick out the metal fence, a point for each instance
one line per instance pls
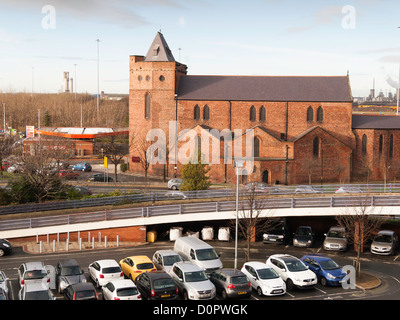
(201, 207)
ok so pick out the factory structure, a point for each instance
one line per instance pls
(68, 83)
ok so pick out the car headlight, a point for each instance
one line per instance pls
(6, 244)
(330, 276)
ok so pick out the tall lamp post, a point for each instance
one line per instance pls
(238, 164)
(98, 40)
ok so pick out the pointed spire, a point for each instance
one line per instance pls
(159, 50)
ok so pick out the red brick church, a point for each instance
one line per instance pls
(301, 128)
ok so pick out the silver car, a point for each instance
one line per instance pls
(307, 189)
(68, 272)
(175, 184)
(3, 283)
(35, 291)
(29, 272)
(192, 282)
(164, 259)
(385, 243)
(336, 239)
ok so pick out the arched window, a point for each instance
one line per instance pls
(262, 113)
(316, 147)
(196, 112)
(391, 146)
(256, 147)
(380, 145)
(253, 113)
(206, 113)
(364, 145)
(310, 114)
(320, 114)
(147, 106)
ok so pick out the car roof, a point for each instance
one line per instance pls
(68, 263)
(167, 252)
(336, 228)
(138, 259)
(82, 286)
(231, 272)
(187, 266)
(158, 274)
(386, 232)
(107, 262)
(284, 257)
(35, 286)
(123, 283)
(316, 257)
(256, 264)
(35, 265)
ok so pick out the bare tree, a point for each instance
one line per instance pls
(361, 222)
(6, 147)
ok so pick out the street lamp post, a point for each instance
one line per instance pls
(238, 164)
(98, 40)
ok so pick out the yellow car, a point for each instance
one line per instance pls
(135, 265)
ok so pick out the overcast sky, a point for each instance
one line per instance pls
(39, 40)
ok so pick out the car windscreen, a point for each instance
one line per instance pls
(170, 260)
(295, 265)
(335, 234)
(115, 269)
(145, 265)
(71, 271)
(35, 274)
(38, 295)
(126, 292)
(160, 284)
(206, 254)
(267, 273)
(329, 265)
(383, 238)
(195, 276)
(85, 295)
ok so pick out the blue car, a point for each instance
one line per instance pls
(327, 270)
(82, 167)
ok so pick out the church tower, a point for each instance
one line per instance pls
(153, 84)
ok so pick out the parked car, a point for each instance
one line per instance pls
(175, 184)
(3, 283)
(260, 187)
(68, 272)
(15, 168)
(83, 166)
(349, 189)
(33, 272)
(328, 271)
(231, 283)
(303, 236)
(5, 247)
(122, 289)
(81, 291)
(278, 232)
(35, 291)
(335, 239)
(5, 165)
(134, 265)
(293, 271)
(307, 189)
(175, 195)
(68, 174)
(85, 191)
(103, 271)
(3, 295)
(385, 243)
(164, 259)
(264, 279)
(192, 282)
(100, 177)
(156, 285)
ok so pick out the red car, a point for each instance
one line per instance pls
(5, 165)
(68, 174)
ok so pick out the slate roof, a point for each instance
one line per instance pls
(375, 122)
(159, 50)
(265, 88)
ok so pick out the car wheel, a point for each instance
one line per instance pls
(2, 252)
(324, 282)
(259, 291)
(185, 295)
(224, 295)
(174, 188)
(289, 284)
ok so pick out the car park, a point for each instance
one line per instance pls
(5, 247)
(192, 281)
(103, 271)
(264, 279)
(307, 189)
(3, 283)
(328, 271)
(33, 272)
(68, 272)
(349, 189)
(83, 166)
(122, 289)
(135, 265)
(81, 291)
(385, 243)
(231, 283)
(156, 285)
(35, 291)
(175, 184)
(336, 239)
(303, 237)
(164, 259)
(100, 177)
(293, 271)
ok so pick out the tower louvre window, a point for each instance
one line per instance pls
(147, 107)
(156, 49)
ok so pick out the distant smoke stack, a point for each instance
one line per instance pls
(71, 85)
(66, 81)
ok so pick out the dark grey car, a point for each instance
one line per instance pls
(231, 283)
(68, 272)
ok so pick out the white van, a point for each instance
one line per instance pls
(199, 253)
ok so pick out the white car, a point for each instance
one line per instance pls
(35, 291)
(33, 272)
(164, 259)
(264, 279)
(3, 283)
(103, 271)
(293, 271)
(122, 289)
